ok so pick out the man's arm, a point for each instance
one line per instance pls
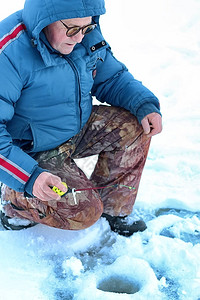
(116, 86)
(19, 170)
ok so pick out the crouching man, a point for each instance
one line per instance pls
(54, 60)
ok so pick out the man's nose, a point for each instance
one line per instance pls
(78, 37)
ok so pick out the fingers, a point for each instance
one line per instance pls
(146, 125)
(42, 187)
(152, 124)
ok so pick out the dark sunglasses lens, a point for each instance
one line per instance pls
(88, 29)
(72, 31)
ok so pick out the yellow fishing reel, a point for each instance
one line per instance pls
(59, 192)
(69, 190)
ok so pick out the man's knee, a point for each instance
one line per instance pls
(77, 218)
(86, 218)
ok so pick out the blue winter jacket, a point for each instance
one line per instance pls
(46, 97)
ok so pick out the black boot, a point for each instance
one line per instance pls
(121, 226)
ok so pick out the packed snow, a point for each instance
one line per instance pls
(159, 42)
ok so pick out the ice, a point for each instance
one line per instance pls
(73, 265)
(159, 41)
(126, 278)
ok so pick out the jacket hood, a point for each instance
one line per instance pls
(37, 14)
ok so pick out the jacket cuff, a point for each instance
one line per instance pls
(29, 185)
(145, 109)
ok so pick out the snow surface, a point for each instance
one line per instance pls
(159, 41)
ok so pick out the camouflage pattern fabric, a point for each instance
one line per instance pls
(122, 147)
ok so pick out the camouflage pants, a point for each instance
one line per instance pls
(117, 137)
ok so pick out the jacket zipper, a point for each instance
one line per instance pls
(79, 89)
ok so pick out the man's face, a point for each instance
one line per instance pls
(56, 34)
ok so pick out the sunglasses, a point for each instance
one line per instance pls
(71, 31)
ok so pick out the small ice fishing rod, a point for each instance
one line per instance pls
(73, 190)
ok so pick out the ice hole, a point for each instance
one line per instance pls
(120, 285)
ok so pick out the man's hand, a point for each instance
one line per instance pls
(152, 124)
(41, 187)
